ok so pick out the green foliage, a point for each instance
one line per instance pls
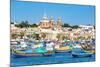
(75, 27)
(25, 24)
(14, 36)
(37, 36)
(94, 26)
(66, 25)
(11, 22)
(22, 34)
(58, 36)
(33, 25)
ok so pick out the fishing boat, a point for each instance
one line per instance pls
(30, 52)
(88, 48)
(27, 54)
(66, 49)
(92, 51)
(81, 53)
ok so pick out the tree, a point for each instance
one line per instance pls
(94, 26)
(66, 25)
(58, 36)
(37, 36)
(75, 27)
(33, 25)
(23, 24)
(63, 37)
(14, 36)
(12, 22)
(22, 34)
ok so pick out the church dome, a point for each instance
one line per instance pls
(45, 18)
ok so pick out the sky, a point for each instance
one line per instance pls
(70, 13)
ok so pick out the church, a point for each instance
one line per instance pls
(45, 23)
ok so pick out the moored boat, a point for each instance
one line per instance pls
(30, 52)
(27, 54)
(84, 54)
(89, 48)
(92, 51)
(66, 49)
(81, 53)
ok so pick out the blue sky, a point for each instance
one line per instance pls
(34, 11)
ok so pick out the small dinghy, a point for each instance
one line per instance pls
(81, 53)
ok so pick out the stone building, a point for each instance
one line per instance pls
(45, 23)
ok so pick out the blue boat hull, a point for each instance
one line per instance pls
(82, 55)
(26, 55)
(48, 54)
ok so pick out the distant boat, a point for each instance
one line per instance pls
(66, 49)
(81, 53)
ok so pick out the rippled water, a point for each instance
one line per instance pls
(55, 59)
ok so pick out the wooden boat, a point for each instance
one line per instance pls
(92, 51)
(81, 53)
(63, 49)
(27, 53)
(85, 54)
(89, 48)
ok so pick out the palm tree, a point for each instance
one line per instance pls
(37, 36)
(63, 37)
(22, 34)
(58, 36)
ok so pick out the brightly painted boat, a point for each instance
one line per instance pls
(81, 53)
(63, 49)
(27, 54)
(92, 51)
(30, 52)
(89, 48)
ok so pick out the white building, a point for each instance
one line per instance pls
(14, 29)
(86, 26)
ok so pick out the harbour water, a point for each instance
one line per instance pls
(55, 59)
